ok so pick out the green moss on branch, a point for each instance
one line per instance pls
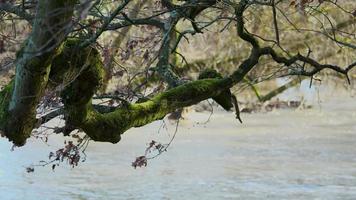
(81, 72)
(33, 65)
(108, 127)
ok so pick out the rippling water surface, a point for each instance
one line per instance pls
(284, 154)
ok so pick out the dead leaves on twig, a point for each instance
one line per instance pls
(141, 161)
(72, 153)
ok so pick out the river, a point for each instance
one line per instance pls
(283, 154)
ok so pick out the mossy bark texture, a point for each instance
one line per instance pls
(82, 72)
(33, 65)
(108, 127)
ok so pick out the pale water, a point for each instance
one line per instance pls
(284, 154)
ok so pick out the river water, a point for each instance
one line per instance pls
(283, 154)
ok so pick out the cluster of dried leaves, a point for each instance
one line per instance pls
(71, 154)
(153, 146)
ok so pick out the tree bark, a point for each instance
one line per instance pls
(108, 127)
(33, 62)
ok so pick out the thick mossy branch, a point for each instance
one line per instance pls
(225, 98)
(81, 72)
(33, 64)
(109, 127)
(77, 96)
(28, 87)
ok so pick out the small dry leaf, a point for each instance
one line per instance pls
(30, 169)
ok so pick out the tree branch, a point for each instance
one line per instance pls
(33, 65)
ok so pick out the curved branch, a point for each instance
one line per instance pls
(32, 68)
(258, 51)
(108, 127)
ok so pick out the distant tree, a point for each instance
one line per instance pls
(66, 52)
